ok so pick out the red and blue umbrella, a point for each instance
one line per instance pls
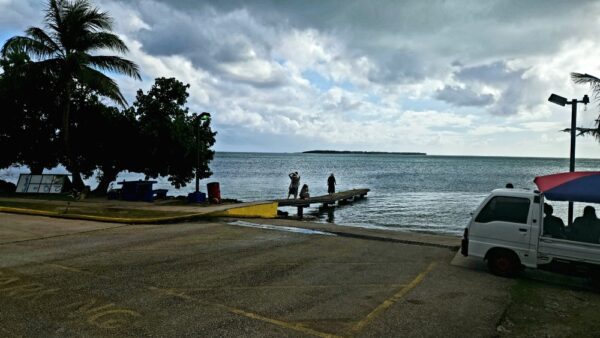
(579, 186)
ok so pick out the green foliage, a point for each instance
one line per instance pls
(29, 120)
(66, 50)
(75, 31)
(594, 83)
(107, 137)
(51, 89)
(169, 133)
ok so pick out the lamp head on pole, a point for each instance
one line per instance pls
(559, 100)
(586, 99)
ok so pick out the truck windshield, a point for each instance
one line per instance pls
(505, 209)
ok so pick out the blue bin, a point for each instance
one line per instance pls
(137, 191)
(196, 197)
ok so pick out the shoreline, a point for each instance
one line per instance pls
(121, 212)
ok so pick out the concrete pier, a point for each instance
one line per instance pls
(326, 201)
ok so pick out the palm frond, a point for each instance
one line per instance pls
(41, 36)
(87, 17)
(32, 47)
(102, 84)
(48, 66)
(593, 81)
(584, 78)
(594, 132)
(54, 13)
(97, 20)
(104, 40)
(115, 64)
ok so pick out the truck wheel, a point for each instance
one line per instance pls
(504, 263)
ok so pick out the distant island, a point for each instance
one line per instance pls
(361, 152)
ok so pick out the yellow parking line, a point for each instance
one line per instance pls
(275, 287)
(359, 326)
(292, 326)
(63, 267)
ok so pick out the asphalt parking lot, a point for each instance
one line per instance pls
(78, 278)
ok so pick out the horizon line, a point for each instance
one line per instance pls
(358, 152)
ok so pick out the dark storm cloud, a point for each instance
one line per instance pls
(496, 72)
(405, 40)
(397, 66)
(251, 63)
(463, 96)
(211, 39)
(510, 82)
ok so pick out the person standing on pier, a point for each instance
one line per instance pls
(331, 184)
(294, 184)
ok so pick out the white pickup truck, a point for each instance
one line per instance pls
(507, 230)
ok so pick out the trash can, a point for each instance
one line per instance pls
(144, 191)
(196, 197)
(214, 192)
(137, 190)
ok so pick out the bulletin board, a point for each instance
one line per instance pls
(42, 184)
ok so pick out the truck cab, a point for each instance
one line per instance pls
(507, 231)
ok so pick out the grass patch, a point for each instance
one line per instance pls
(551, 309)
(45, 197)
(67, 209)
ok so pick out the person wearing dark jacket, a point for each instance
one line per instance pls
(553, 226)
(587, 227)
(331, 184)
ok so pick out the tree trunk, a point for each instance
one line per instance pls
(66, 110)
(108, 175)
(36, 169)
(77, 181)
(70, 164)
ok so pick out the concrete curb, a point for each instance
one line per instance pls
(262, 210)
(122, 220)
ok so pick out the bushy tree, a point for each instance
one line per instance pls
(75, 31)
(169, 134)
(156, 136)
(110, 139)
(28, 132)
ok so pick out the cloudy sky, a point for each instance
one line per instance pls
(442, 77)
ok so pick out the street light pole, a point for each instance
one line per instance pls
(561, 101)
(202, 117)
(197, 156)
(572, 155)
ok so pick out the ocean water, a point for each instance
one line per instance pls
(415, 193)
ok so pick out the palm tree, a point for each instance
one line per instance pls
(75, 30)
(594, 83)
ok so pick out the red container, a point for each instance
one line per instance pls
(214, 192)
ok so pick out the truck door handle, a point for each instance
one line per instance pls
(522, 230)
